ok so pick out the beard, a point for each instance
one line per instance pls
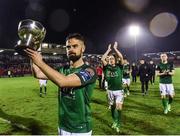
(74, 57)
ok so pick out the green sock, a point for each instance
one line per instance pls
(128, 87)
(125, 90)
(170, 100)
(119, 118)
(164, 102)
(112, 112)
(116, 115)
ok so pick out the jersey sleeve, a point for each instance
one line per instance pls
(120, 65)
(87, 75)
(61, 70)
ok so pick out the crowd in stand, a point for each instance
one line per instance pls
(11, 65)
(16, 65)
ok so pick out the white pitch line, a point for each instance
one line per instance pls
(15, 124)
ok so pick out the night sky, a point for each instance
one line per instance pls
(100, 21)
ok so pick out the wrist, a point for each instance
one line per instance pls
(41, 64)
(115, 49)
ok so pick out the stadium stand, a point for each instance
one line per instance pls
(173, 56)
(53, 54)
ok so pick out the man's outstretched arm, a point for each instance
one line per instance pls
(46, 72)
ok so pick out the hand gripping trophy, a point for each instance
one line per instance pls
(31, 34)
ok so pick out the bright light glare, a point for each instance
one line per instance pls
(136, 5)
(1, 50)
(33, 25)
(15, 53)
(134, 30)
(164, 24)
(54, 53)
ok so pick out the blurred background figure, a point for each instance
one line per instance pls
(152, 71)
(126, 77)
(144, 72)
(99, 72)
(42, 83)
(9, 73)
(134, 72)
(104, 81)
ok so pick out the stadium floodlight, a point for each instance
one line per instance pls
(57, 46)
(134, 31)
(15, 53)
(44, 45)
(1, 51)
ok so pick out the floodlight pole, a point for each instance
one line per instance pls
(135, 47)
(134, 31)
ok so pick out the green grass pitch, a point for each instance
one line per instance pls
(27, 113)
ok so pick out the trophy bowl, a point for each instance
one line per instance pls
(31, 34)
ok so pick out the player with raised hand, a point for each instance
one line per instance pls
(76, 85)
(113, 73)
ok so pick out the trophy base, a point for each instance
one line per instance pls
(20, 49)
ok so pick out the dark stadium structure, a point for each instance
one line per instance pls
(173, 56)
(54, 55)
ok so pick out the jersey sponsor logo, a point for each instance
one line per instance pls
(165, 69)
(87, 74)
(112, 74)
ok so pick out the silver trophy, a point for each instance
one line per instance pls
(31, 34)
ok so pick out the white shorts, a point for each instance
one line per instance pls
(166, 89)
(116, 96)
(66, 133)
(42, 82)
(126, 81)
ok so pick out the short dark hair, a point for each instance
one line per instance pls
(76, 36)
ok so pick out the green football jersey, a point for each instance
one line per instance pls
(126, 69)
(74, 103)
(165, 79)
(113, 76)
